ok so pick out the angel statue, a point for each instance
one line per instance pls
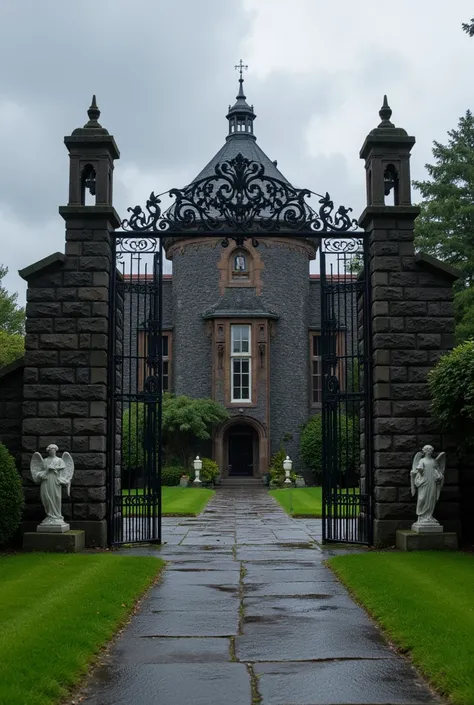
(427, 476)
(52, 472)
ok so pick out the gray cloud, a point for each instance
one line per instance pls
(163, 76)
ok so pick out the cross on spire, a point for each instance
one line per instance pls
(241, 67)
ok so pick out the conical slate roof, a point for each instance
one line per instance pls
(241, 140)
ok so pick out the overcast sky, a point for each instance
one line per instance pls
(164, 77)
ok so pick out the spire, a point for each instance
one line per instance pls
(385, 113)
(93, 123)
(93, 112)
(241, 114)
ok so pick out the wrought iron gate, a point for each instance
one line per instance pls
(135, 388)
(346, 390)
(239, 202)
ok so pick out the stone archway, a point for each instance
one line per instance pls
(223, 445)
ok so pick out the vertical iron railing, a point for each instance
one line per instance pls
(135, 391)
(346, 391)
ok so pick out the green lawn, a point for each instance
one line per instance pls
(179, 501)
(300, 501)
(56, 612)
(184, 501)
(425, 602)
(308, 502)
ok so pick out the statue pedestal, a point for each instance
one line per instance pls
(427, 527)
(409, 540)
(54, 542)
(53, 528)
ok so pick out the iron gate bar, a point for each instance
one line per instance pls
(345, 308)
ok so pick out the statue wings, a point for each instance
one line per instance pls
(68, 470)
(441, 461)
(413, 472)
(36, 466)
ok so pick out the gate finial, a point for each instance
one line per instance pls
(93, 112)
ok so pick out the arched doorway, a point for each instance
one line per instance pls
(241, 448)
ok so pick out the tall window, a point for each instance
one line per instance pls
(166, 363)
(316, 371)
(241, 363)
(144, 352)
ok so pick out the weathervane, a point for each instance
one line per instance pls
(241, 66)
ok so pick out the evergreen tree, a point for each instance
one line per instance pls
(468, 27)
(12, 324)
(12, 317)
(445, 226)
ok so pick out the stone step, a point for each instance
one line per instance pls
(249, 482)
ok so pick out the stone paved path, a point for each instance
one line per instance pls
(247, 613)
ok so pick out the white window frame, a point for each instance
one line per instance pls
(240, 356)
(316, 360)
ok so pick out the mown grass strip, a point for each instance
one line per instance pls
(57, 612)
(425, 603)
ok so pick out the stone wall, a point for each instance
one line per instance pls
(412, 326)
(285, 290)
(65, 376)
(11, 400)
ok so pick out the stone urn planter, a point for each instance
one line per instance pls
(184, 482)
(299, 482)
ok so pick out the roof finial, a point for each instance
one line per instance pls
(93, 112)
(385, 113)
(241, 67)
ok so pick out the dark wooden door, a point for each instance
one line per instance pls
(241, 454)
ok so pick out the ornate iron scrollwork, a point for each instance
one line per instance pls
(240, 198)
(135, 245)
(344, 245)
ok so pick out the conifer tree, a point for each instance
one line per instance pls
(445, 226)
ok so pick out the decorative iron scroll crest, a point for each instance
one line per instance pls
(343, 246)
(240, 198)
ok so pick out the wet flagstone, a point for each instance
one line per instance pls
(247, 612)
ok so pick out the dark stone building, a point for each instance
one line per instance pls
(242, 326)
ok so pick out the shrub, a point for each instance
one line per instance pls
(185, 421)
(210, 470)
(277, 474)
(171, 475)
(11, 496)
(311, 444)
(451, 385)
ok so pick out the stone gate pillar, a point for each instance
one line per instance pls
(66, 365)
(412, 326)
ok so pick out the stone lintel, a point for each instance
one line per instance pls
(87, 213)
(372, 214)
(437, 266)
(241, 314)
(407, 540)
(47, 264)
(84, 139)
(394, 137)
(67, 542)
